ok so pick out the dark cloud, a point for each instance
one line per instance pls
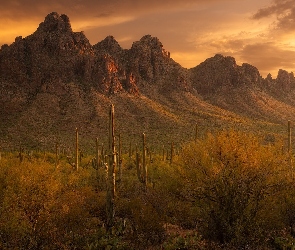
(81, 8)
(104, 14)
(283, 10)
(277, 7)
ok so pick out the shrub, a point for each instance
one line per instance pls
(233, 180)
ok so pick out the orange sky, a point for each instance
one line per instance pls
(261, 33)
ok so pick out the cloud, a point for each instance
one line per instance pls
(268, 57)
(283, 10)
(83, 8)
(276, 8)
(84, 14)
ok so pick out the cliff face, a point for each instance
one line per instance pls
(55, 78)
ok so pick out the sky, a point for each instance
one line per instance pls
(258, 32)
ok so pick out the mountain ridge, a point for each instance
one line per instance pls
(54, 80)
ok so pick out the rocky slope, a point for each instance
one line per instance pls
(54, 80)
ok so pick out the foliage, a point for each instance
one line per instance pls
(233, 180)
(230, 190)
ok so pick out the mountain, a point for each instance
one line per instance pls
(54, 80)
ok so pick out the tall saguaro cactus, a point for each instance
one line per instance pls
(96, 160)
(290, 143)
(144, 166)
(20, 154)
(77, 150)
(56, 155)
(97, 152)
(171, 153)
(289, 138)
(196, 133)
(142, 170)
(111, 176)
(120, 158)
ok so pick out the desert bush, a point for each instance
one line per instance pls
(230, 190)
(143, 220)
(234, 181)
(44, 207)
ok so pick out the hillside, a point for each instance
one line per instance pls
(54, 80)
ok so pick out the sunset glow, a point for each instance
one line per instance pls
(260, 33)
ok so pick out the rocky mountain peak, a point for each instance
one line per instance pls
(249, 74)
(227, 61)
(215, 73)
(109, 46)
(55, 22)
(220, 73)
(150, 44)
(148, 58)
(285, 80)
(153, 42)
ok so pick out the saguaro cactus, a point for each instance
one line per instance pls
(196, 133)
(20, 154)
(144, 165)
(56, 155)
(138, 167)
(96, 161)
(289, 138)
(172, 152)
(102, 156)
(120, 158)
(290, 143)
(130, 150)
(111, 176)
(77, 150)
(142, 170)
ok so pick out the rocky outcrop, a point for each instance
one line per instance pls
(285, 80)
(220, 73)
(249, 75)
(109, 46)
(54, 53)
(148, 58)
